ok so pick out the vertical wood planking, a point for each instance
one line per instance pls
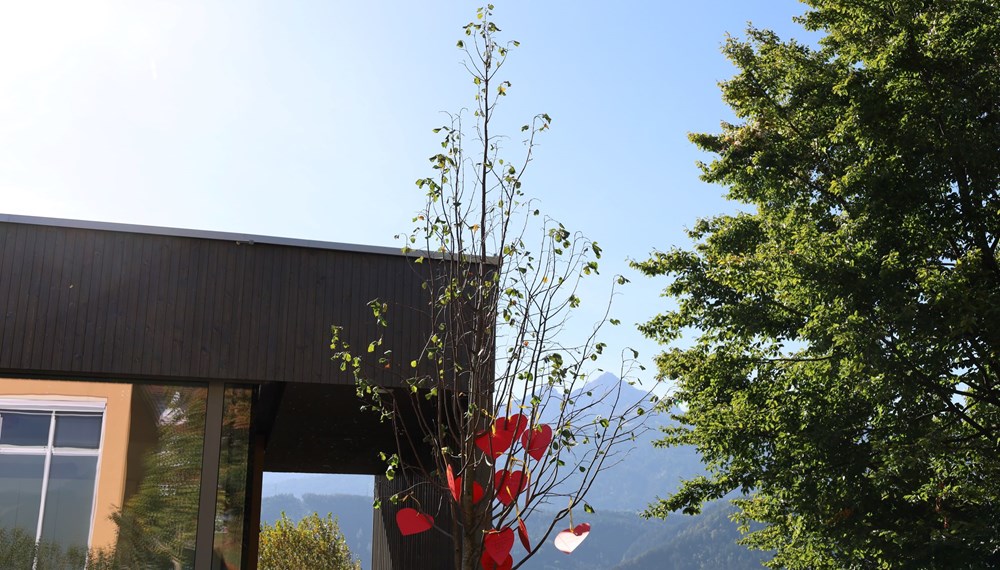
(179, 312)
(261, 300)
(95, 302)
(102, 275)
(315, 330)
(273, 327)
(214, 298)
(52, 298)
(21, 270)
(94, 305)
(29, 318)
(112, 293)
(393, 551)
(7, 285)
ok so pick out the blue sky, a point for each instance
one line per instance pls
(312, 119)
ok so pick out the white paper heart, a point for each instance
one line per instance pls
(567, 540)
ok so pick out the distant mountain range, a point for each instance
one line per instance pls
(620, 539)
(642, 472)
(300, 484)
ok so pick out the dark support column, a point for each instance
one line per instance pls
(209, 476)
(267, 402)
(393, 551)
(252, 544)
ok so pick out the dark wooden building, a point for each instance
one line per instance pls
(203, 359)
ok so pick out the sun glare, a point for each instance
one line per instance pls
(38, 33)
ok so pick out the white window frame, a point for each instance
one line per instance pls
(52, 407)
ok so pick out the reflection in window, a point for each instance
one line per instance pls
(229, 511)
(159, 519)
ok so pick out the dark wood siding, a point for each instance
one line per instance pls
(393, 551)
(81, 302)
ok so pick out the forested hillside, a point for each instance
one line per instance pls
(619, 540)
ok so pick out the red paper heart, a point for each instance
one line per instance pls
(515, 424)
(490, 564)
(411, 521)
(477, 490)
(494, 442)
(567, 540)
(503, 433)
(522, 533)
(497, 544)
(509, 484)
(537, 440)
(453, 485)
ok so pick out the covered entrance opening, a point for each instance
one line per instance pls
(149, 376)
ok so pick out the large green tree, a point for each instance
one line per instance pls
(844, 370)
(315, 543)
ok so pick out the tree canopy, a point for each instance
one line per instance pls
(314, 542)
(844, 370)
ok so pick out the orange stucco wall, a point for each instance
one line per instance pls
(112, 463)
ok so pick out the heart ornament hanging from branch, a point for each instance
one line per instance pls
(567, 540)
(522, 533)
(536, 441)
(497, 544)
(454, 486)
(489, 564)
(509, 484)
(477, 490)
(501, 435)
(515, 424)
(411, 521)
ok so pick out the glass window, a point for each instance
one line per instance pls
(230, 515)
(18, 428)
(47, 483)
(108, 475)
(20, 491)
(158, 522)
(109, 472)
(68, 501)
(73, 430)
